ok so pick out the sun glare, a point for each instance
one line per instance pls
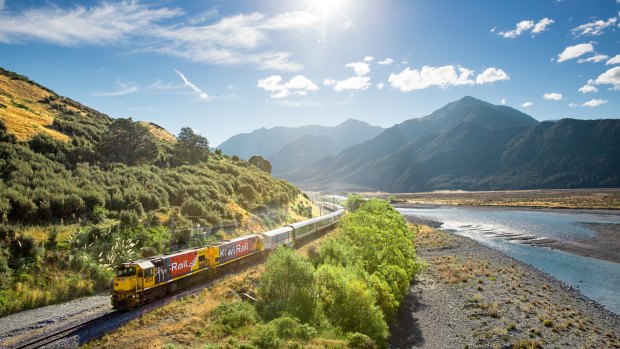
(326, 7)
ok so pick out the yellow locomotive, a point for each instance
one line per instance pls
(149, 279)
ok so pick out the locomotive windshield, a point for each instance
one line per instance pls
(125, 271)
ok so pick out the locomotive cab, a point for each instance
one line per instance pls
(129, 281)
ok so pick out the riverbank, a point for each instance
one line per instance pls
(608, 199)
(473, 296)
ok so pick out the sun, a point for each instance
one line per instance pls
(326, 7)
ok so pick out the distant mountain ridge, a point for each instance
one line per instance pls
(289, 148)
(474, 145)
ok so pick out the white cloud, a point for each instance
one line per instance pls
(594, 28)
(575, 51)
(503, 101)
(596, 58)
(520, 28)
(573, 105)
(443, 77)
(233, 40)
(613, 60)
(297, 86)
(610, 77)
(103, 24)
(360, 68)
(589, 87)
(122, 89)
(368, 58)
(352, 83)
(553, 96)
(527, 104)
(594, 103)
(524, 26)
(542, 25)
(490, 75)
(203, 95)
(386, 61)
(380, 86)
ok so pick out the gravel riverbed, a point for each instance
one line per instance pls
(471, 296)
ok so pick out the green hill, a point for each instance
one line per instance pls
(80, 191)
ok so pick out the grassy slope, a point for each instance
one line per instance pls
(22, 112)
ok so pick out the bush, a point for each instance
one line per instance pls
(360, 341)
(288, 327)
(287, 285)
(233, 315)
(266, 337)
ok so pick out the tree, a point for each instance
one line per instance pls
(261, 163)
(190, 148)
(286, 286)
(129, 142)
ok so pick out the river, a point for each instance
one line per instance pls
(502, 229)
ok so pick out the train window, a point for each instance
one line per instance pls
(201, 258)
(148, 273)
(125, 271)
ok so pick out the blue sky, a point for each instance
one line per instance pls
(227, 67)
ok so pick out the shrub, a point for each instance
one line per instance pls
(233, 315)
(360, 341)
(286, 285)
(288, 327)
(266, 337)
(99, 214)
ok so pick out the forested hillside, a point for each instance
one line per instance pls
(81, 191)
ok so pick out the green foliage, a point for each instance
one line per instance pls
(360, 280)
(360, 341)
(129, 142)
(230, 316)
(354, 201)
(286, 286)
(261, 163)
(266, 337)
(347, 302)
(6, 274)
(288, 327)
(190, 148)
(99, 214)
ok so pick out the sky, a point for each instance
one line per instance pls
(227, 67)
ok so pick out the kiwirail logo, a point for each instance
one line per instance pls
(182, 264)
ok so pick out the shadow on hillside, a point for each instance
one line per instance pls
(406, 331)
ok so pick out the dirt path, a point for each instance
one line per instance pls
(473, 297)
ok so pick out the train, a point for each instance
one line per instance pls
(148, 279)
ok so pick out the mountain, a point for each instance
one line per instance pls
(471, 144)
(290, 147)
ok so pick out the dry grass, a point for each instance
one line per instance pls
(23, 115)
(577, 198)
(427, 237)
(453, 270)
(41, 234)
(159, 132)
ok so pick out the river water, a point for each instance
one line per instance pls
(497, 227)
